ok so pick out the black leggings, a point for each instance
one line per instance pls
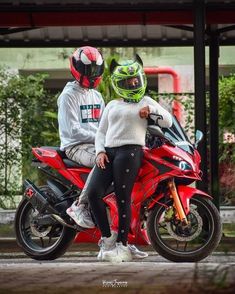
(123, 168)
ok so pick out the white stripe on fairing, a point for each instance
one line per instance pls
(183, 143)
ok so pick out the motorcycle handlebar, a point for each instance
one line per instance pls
(155, 117)
(156, 130)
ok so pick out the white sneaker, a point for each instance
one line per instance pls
(118, 254)
(81, 215)
(136, 253)
(106, 244)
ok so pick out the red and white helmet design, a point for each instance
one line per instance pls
(87, 66)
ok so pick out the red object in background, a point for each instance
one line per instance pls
(176, 105)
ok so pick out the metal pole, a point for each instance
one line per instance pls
(6, 148)
(214, 106)
(200, 81)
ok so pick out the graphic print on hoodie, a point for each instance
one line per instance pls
(90, 113)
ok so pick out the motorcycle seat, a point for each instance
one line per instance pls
(68, 162)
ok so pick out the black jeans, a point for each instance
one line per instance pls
(123, 168)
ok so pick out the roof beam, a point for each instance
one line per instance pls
(81, 18)
(5, 43)
(144, 5)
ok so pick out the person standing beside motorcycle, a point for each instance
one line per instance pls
(80, 107)
(118, 143)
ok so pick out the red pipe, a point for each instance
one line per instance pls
(176, 105)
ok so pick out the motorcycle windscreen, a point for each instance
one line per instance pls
(177, 135)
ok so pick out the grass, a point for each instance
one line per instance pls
(7, 230)
(229, 230)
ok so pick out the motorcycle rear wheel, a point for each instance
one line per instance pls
(40, 243)
(174, 244)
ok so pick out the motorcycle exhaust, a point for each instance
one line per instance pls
(39, 201)
(61, 221)
(37, 198)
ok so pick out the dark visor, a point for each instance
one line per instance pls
(131, 83)
(90, 70)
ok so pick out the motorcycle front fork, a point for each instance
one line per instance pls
(180, 214)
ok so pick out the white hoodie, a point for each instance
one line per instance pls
(79, 112)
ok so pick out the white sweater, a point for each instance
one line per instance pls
(79, 112)
(121, 124)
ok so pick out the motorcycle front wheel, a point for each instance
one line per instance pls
(178, 243)
(40, 242)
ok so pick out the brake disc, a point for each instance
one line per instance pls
(38, 233)
(36, 230)
(178, 237)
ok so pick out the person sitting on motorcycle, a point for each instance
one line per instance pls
(80, 107)
(118, 144)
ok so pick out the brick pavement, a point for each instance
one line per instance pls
(81, 273)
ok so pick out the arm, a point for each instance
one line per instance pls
(102, 106)
(101, 133)
(69, 121)
(155, 107)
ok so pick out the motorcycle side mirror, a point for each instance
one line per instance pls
(198, 138)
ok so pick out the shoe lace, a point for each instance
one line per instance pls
(119, 245)
(86, 213)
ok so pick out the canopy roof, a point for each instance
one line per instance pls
(110, 22)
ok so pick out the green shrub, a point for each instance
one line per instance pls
(227, 147)
(27, 119)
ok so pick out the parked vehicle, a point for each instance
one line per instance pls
(180, 222)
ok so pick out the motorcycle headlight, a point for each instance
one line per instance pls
(184, 165)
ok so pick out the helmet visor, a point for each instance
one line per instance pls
(93, 70)
(131, 83)
(90, 70)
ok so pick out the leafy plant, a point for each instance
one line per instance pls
(26, 119)
(227, 146)
(105, 87)
(227, 104)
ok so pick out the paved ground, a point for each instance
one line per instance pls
(79, 272)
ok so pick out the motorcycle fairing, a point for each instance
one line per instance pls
(186, 193)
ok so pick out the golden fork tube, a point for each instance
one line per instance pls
(177, 202)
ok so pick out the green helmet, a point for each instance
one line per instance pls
(128, 79)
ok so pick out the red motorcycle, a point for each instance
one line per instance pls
(180, 222)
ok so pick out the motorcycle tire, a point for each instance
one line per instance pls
(163, 244)
(30, 239)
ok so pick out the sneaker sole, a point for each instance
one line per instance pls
(138, 256)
